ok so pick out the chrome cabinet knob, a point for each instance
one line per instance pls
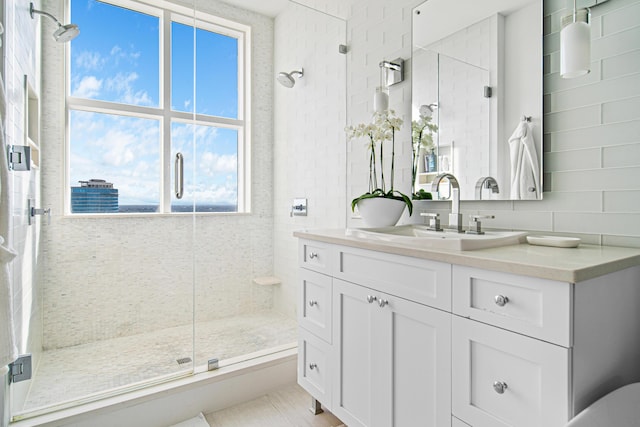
(313, 255)
(371, 298)
(499, 386)
(312, 303)
(383, 302)
(312, 366)
(501, 300)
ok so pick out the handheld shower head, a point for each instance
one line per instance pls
(64, 33)
(287, 80)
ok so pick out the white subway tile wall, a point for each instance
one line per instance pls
(309, 143)
(592, 124)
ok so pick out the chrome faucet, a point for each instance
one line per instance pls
(486, 182)
(455, 217)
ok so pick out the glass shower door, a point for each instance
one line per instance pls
(114, 283)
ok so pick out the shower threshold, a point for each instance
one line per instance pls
(154, 404)
(75, 375)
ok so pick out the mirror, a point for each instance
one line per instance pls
(477, 72)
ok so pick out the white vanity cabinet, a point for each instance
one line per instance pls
(387, 360)
(396, 337)
(530, 352)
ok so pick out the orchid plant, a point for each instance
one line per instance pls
(422, 131)
(382, 129)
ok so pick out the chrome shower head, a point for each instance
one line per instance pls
(64, 33)
(428, 110)
(287, 80)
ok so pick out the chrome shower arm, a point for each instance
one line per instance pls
(32, 11)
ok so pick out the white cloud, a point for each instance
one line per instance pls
(115, 51)
(88, 87)
(89, 60)
(122, 84)
(224, 193)
(117, 54)
(216, 164)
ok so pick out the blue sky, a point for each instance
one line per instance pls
(121, 63)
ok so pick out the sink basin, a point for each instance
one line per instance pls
(419, 236)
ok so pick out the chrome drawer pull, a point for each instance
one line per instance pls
(499, 387)
(312, 303)
(371, 299)
(501, 300)
(312, 366)
(383, 302)
(313, 255)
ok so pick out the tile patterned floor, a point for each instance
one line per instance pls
(76, 372)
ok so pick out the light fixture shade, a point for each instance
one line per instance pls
(381, 100)
(575, 50)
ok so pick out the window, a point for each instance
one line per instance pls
(160, 84)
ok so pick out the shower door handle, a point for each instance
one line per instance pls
(179, 175)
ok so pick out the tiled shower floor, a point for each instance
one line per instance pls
(75, 372)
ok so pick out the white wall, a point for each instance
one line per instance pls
(309, 144)
(592, 125)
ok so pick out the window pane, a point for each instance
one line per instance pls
(216, 72)
(123, 151)
(214, 185)
(181, 67)
(117, 63)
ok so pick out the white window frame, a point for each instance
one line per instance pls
(167, 13)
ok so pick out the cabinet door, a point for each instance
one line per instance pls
(393, 360)
(504, 379)
(353, 330)
(418, 350)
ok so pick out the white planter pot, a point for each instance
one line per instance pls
(380, 212)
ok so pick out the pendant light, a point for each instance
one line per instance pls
(391, 73)
(381, 96)
(575, 44)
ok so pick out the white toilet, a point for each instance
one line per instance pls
(620, 408)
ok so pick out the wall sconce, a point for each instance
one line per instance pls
(390, 74)
(575, 44)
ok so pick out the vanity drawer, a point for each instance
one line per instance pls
(315, 256)
(314, 309)
(314, 371)
(531, 306)
(419, 280)
(534, 376)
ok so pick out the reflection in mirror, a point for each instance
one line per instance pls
(480, 80)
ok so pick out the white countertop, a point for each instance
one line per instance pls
(561, 264)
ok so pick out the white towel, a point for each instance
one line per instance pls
(525, 167)
(8, 350)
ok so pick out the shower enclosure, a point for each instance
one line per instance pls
(162, 286)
